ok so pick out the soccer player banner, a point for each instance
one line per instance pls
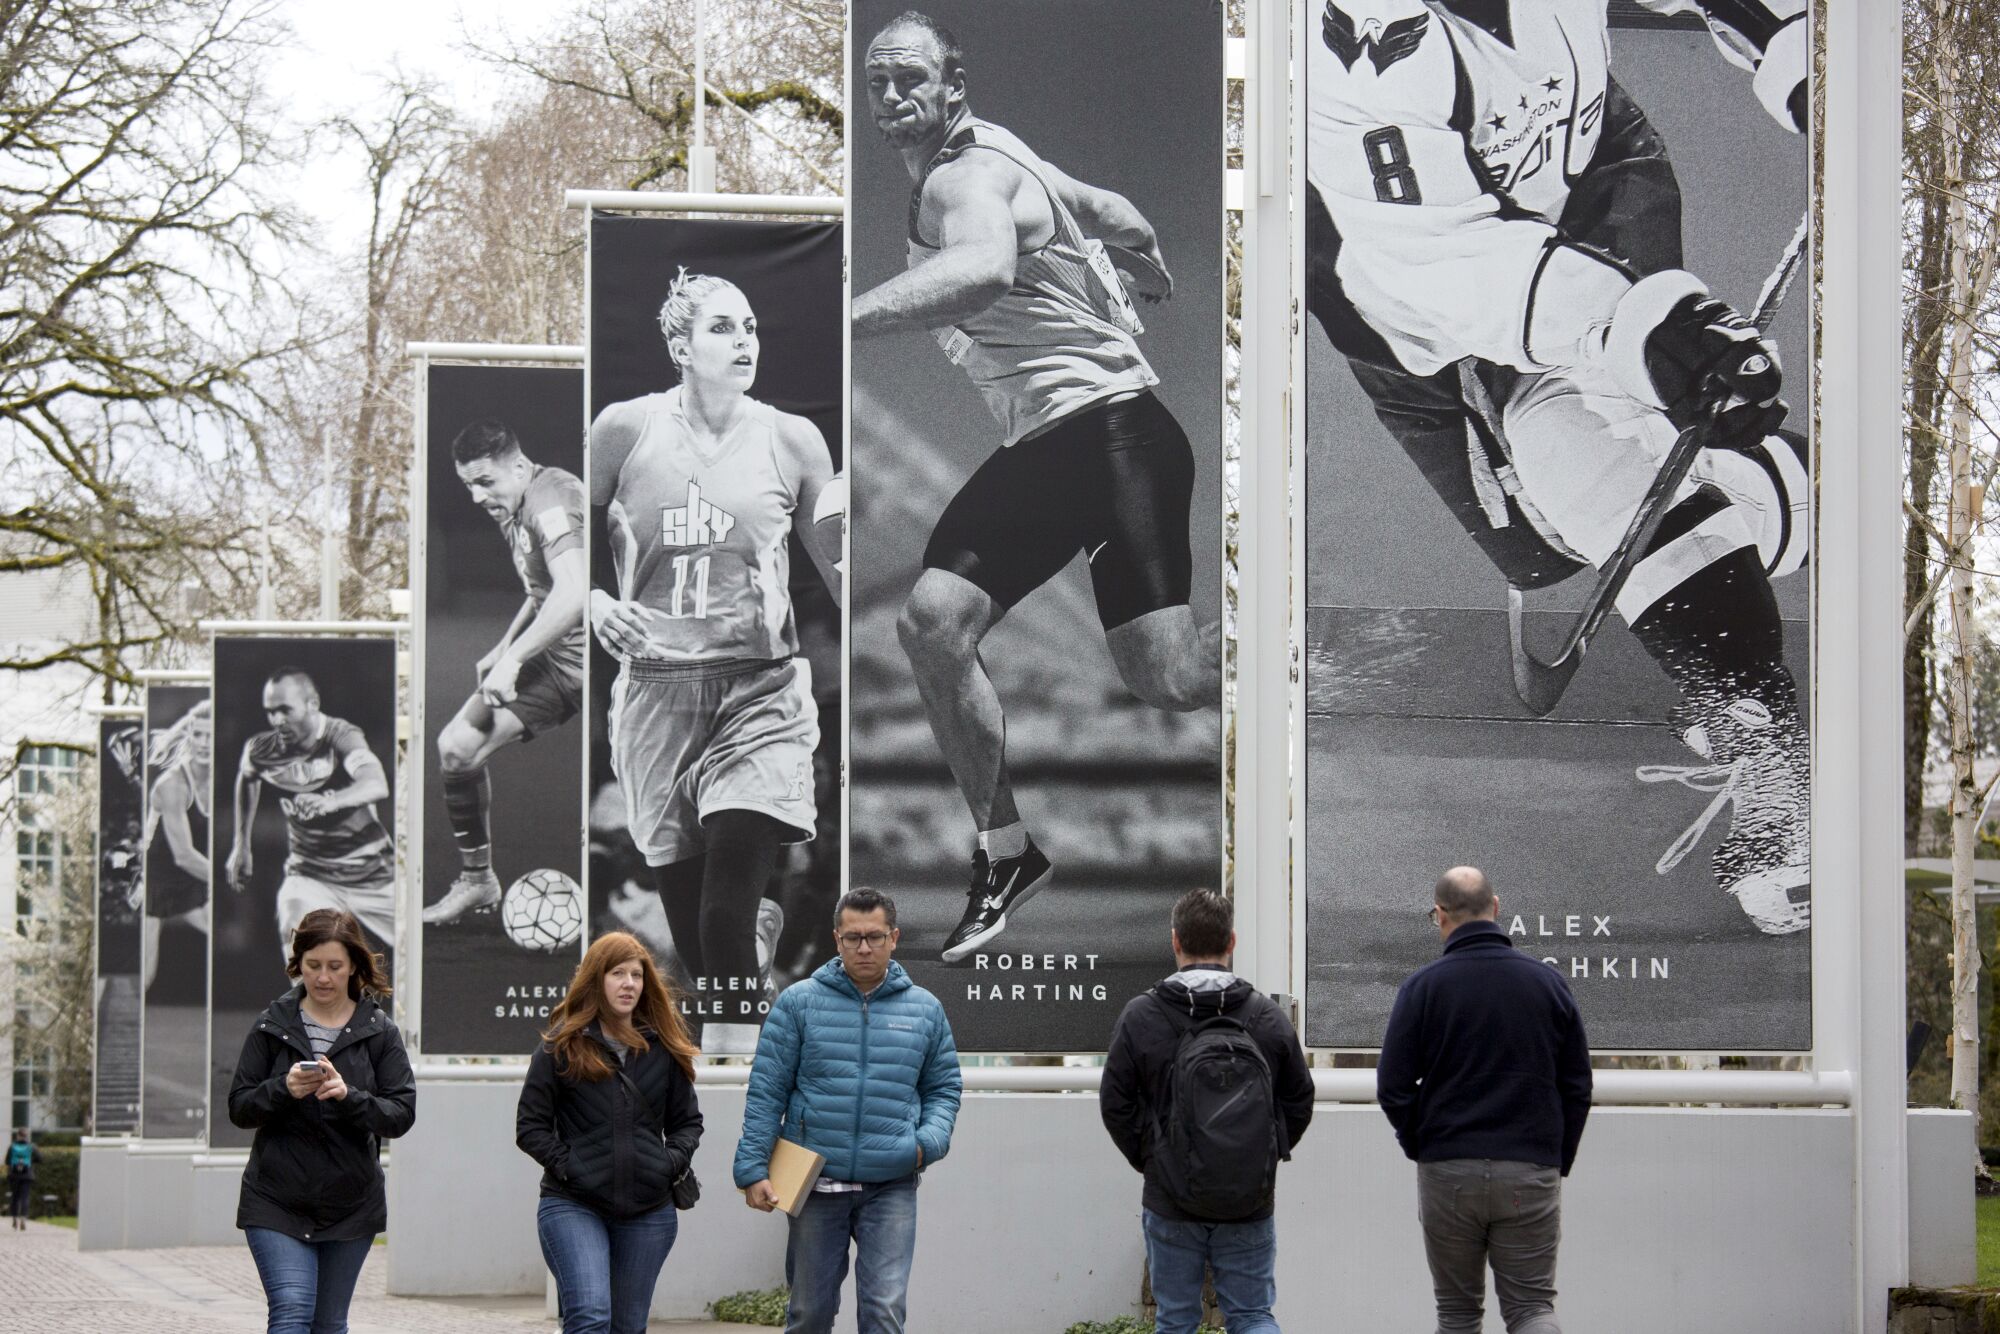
(304, 818)
(1037, 542)
(121, 752)
(717, 523)
(505, 572)
(174, 853)
(1557, 489)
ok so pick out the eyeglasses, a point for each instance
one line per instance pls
(873, 940)
(1431, 914)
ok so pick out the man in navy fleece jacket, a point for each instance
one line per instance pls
(1485, 1074)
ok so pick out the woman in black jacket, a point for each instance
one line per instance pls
(323, 1080)
(609, 1112)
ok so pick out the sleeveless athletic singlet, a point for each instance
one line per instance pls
(700, 542)
(1052, 344)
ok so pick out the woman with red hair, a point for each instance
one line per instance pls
(609, 1112)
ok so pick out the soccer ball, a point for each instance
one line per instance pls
(543, 911)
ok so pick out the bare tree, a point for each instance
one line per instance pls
(135, 247)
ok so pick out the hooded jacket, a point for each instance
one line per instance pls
(615, 1144)
(1135, 1094)
(1485, 1057)
(864, 1081)
(315, 1170)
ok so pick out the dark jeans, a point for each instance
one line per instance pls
(881, 1221)
(307, 1284)
(605, 1268)
(19, 1191)
(1478, 1211)
(1244, 1258)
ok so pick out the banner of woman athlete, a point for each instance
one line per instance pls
(1037, 542)
(174, 852)
(1497, 452)
(504, 572)
(304, 818)
(716, 521)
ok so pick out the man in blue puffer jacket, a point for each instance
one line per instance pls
(857, 1064)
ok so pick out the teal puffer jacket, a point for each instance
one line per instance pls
(862, 1082)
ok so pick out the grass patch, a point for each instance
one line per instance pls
(1987, 1216)
(60, 1220)
(753, 1308)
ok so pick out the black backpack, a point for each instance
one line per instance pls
(1218, 1141)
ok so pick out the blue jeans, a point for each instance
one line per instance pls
(1244, 1258)
(605, 1268)
(307, 1284)
(881, 1220)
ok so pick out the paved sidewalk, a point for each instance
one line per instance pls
(48, 1287)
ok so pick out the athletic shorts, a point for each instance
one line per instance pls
(688, 740)
(546, 696)
(1113, 480)
(374, 906)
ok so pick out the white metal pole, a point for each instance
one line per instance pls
(557, 352)
(701, 158)
(329, 549)
(661, 201)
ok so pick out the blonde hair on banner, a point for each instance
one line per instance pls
(683, 305)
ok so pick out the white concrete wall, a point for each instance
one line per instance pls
(1944, 1249)
(100, 1195)
(1675, 1219)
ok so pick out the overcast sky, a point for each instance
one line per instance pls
(342, 48)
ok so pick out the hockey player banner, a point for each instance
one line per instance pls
(174, 852)
(305, 818)
(505, 572)
(1557, 505)
(717, 514)
(121, 887)
(1038, 371)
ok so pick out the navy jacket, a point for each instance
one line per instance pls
(864, 1081)
(1485, 1057)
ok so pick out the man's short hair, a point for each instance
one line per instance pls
(1464, 892)
(951, 56)
(865, 901)
(487, 438)
(299, 674)
(1203, 920)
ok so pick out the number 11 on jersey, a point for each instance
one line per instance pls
(698, 565)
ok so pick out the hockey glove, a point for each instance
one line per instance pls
(1695, 358)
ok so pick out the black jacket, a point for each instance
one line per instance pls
(315, 1168)
(617, 1144)
(1485, 1057)
(1138, 1067)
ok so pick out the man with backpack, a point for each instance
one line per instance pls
(21, 1158)
(1205, 1090)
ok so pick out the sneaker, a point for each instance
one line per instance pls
(473, 891)
(1758, 769)
(997, 888)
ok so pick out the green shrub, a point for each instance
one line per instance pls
(55, 1174)
(753, 1308)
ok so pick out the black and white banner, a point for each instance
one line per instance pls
(174, 852)
(305, 818)
(505, 571)
(1516, 218)
(1037, 543)
(715, 375)
(121, 887)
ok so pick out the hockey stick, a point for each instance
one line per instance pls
(1541, 684)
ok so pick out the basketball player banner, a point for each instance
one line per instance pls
(500, 665)
(715, 364)
(1557, 511)
(1038, 434)
(305, 818)
(121, 752)
(179, 754)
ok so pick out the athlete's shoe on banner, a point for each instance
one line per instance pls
(472, 892)
(1759, 768)
(998, 887)
(770, 925)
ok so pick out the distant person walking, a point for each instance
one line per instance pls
(609, 1112)
(855, 1063)
(323, 1080)
(21, 1158)
(1205, 1090)
(1485, 1074)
